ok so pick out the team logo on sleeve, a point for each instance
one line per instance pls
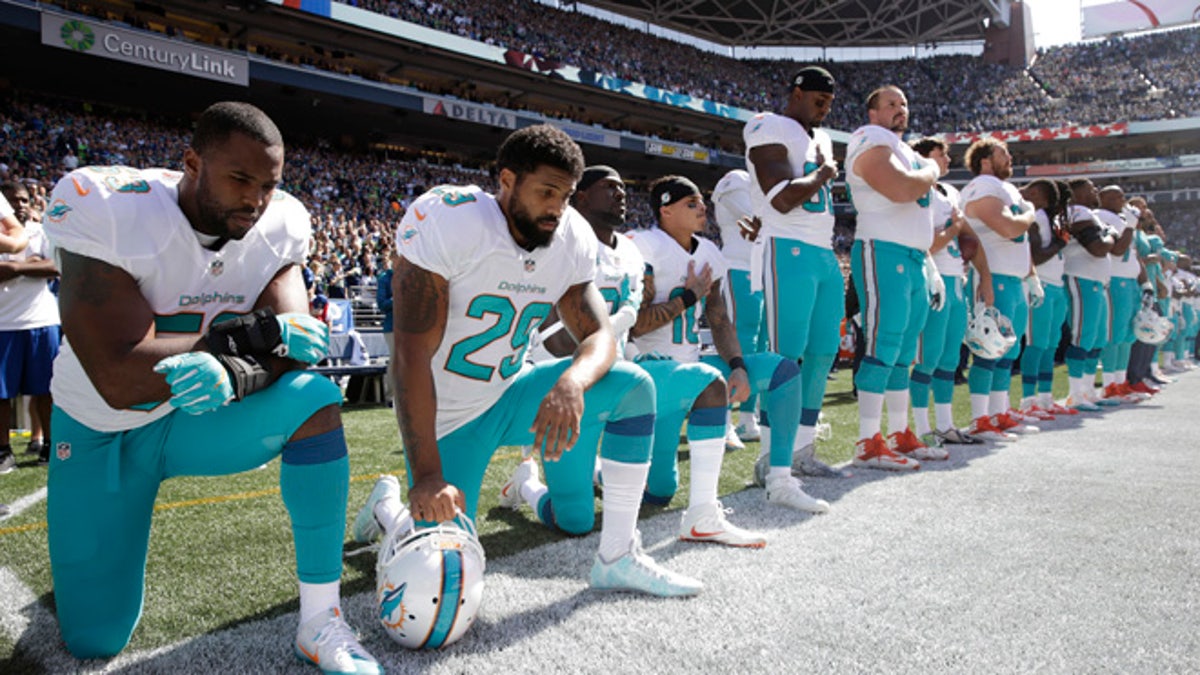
(407, 234)
(58, 211)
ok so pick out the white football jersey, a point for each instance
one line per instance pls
(1051, 271)
(6, 209)
(619, 274)
(811, 222)
(949, 259)
(499, 292)
(1126, 265)
(1080, 263)
(667, 261)
(732, 201)
(880, 218)
(1005, 256)
(26, 302)
(131, 219)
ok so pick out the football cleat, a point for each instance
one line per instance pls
(8, 463)
(983, 428)
(747, 429)
(1143, 388)
(732, 442)
(510, 494)
(787, 491)
(1013, 424)
(874, 453)
(1114, 391)
(1097, 397)
(932, 440)
(955, 436)
(429, 584)
(327, 642)
(906, 443)
(1060, 409)
(1127, 390)
(636, 571)
(366, 526)
(1032, 412)
(1081, 403)
(805, 463)
(707, 522)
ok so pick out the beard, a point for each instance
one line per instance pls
(217, 220)
(527, 226)
(1004, 172)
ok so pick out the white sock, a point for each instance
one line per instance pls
(1046, 399)
(870, 412)
(1107, 379)
(778, 472)
(921, 421)
(897, 410)
(317, 598)
(998, 402)
(764, 444)
(1119, 376)
(804, 436)
(1077, 387)
(944, 414)
(979, 406)
(623, 486)
(707, 456)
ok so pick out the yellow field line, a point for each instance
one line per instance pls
(219, 499)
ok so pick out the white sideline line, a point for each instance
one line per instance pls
(23, 503)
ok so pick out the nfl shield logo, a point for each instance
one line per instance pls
(216, 267)
(530, 265)
(63, 451)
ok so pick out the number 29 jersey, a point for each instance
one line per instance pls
(667, 262)
(499, 292)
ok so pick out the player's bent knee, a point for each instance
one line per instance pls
(575, 519)
(637, 385)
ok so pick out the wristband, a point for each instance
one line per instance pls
(689, 297)
(737, 362)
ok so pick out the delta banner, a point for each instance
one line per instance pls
(1046, 134)
(469, 112)
(144, 49)
(1135, 15)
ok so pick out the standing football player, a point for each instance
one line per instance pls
(153, 382)
(683, 273)
(1087, 272)
(937, 357)
(1124, 293)
(477, 274)
(1047, 238)
(1000, 217)
(896, 281)
(791, 165)
(732, 206)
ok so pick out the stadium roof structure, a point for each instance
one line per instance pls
(817, 23)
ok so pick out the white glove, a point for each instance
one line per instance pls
(1034, 291)
(935, 285)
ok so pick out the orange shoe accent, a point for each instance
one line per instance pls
(311, 657)
(981, 424)
(1143, 388)
(904, 442)
(875, 446)
(1004, 422)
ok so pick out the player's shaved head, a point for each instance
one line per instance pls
(224, 118)
(1112, 197)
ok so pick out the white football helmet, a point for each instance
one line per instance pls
(989, 333)
(429, 584)
(1151, 328)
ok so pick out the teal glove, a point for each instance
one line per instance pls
(199, 383)
(305, 338)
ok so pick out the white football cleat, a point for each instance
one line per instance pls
(732, 442)
(327, 642)
(510, 494)
(366, 527)
(805, 463)
(786, 491)
(636, 571)
(707, 522)
(747, 429)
